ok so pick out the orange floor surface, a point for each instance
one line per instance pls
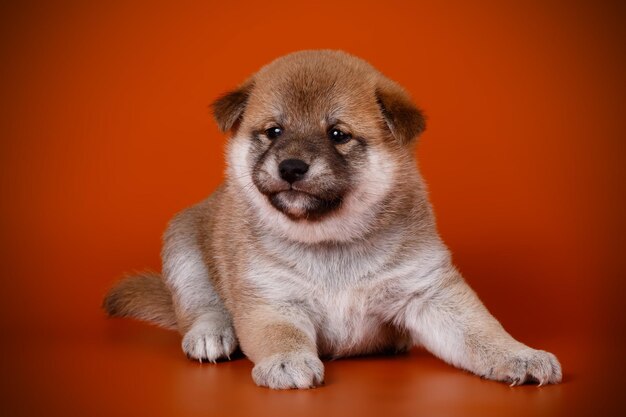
(124, 368)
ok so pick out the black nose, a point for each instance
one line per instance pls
(292, 170)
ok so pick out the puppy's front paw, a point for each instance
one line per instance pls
(527, 365)
(289, 370)
(208, 342)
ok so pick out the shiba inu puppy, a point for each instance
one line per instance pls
(321, 242)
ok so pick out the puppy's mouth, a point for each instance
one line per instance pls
(301, 205)
(310, 199)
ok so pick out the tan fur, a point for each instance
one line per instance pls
(143, 297)
(343, 261)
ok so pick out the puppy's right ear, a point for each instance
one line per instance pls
(405, 121)
(229, 108)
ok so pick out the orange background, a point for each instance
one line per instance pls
(106, 133)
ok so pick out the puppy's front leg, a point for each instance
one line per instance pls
(281, 343)
(453, 324)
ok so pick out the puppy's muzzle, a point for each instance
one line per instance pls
(292, 170)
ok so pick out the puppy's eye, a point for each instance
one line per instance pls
(273, 132)
(338, 137)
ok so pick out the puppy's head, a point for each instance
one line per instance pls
(317, 138)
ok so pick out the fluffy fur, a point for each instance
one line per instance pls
(344, 261)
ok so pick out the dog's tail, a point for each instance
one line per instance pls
(143, 297)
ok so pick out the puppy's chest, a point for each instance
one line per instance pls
(345, 320)
(344, 295)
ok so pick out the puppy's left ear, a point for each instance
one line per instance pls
(229, 108)
(405, 121)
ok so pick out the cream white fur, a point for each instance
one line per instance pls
(211, 337)
(200, 314)
(342, 295)
(289, 370)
